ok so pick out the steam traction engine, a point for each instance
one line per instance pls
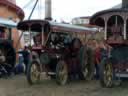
(114, 65)
(57, 51)
(7, 52)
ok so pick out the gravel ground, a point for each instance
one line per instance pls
(18, 86)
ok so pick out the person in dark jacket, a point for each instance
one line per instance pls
(26, 57)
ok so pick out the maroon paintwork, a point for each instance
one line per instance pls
(68, 54)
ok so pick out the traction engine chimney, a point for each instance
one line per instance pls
(48, 10)
(124, 3)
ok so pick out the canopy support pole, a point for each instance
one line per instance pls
(30, 36)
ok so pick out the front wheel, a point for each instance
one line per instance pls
(61, 72)
(106, 73)
(33, 73)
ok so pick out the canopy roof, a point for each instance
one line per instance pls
(98, 14)
(36, 25)
(7, 23)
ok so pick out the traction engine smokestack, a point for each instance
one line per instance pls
(124, 3)
(48, 10)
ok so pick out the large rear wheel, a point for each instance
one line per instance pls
(33, 73)
(61, 72)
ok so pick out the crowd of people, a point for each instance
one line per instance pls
(100, 49)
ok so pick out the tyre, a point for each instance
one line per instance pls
(33, 73)
(83, 63)
(87, 63)
(61, 72)
(106, 73)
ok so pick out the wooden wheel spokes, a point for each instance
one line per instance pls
(35, 74)
(108, 75)
(62, 73)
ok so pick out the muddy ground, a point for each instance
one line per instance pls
(18, 86)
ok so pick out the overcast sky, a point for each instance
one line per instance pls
(67, 9)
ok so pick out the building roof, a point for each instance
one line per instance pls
(106, 11)
(123, 7)
(14, 7)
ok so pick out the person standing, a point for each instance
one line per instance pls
(19, 68)
(97, 58)
(26, 57)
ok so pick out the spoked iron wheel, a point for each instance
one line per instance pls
(61, 73)
(33, 73)
(7, 56)
(107, 75)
